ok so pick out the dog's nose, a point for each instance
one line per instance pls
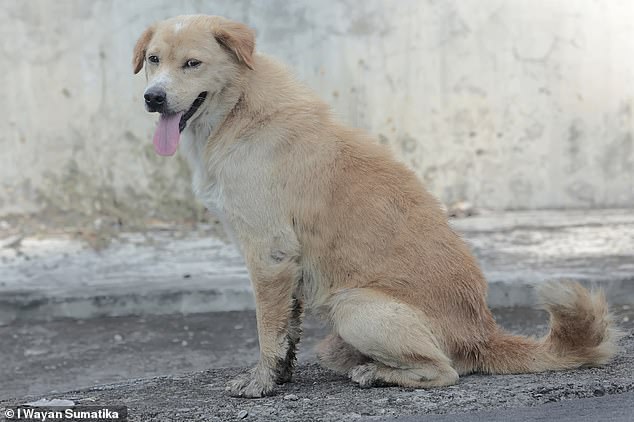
(155, 100)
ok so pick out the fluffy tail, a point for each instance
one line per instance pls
(581, 334)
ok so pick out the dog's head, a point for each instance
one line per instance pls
(187, 60)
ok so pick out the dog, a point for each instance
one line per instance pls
(327, 219)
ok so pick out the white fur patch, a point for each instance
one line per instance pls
(162, 80)
(206, 190)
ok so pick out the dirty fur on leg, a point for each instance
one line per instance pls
(287, 366)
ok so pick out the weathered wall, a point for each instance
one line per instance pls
(507, 104)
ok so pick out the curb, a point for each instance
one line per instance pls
(235, 294)
(164, 272)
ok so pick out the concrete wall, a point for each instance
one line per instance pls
(507, 104)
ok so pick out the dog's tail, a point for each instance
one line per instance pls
(581, 334)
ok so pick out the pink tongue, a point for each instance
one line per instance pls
(167, 134)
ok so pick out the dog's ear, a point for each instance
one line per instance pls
(237, 38)
(138, 56)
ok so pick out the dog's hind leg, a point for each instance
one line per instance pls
(395, 336)
(337, 355)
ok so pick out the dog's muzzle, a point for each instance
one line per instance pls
(155, 100)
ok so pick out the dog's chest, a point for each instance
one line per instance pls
(206, 186)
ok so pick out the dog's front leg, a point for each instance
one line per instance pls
(286, 368)
(274, 276)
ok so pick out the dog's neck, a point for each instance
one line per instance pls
(275, 89)
(229, 113)
(219, 107)
(202, 133)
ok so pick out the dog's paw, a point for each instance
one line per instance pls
(284, 375)
(364, 375)
(250, 385)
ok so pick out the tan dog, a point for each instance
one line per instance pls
(326, 217)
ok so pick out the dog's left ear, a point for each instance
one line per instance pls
(237, 38)
(138, 56)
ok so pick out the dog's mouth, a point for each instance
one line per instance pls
(195, 105)
(170, 126)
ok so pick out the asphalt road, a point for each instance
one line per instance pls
(70, 354)
(145, 348)
(318, 394)
(616, 408)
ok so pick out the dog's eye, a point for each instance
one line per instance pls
(192, 63)
(153, 59)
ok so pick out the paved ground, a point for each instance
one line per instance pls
(613, 408)
(317, 394)
(171, 269)
(166, 365)
(68, 354)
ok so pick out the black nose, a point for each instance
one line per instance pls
(155, 100)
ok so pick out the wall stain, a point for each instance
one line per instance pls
(521, 189)
(574, 146)
(383, 140)
(408, 144)
(617, 158)
(534, 131)
(582, 191)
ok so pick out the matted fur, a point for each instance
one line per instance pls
(327, 217)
